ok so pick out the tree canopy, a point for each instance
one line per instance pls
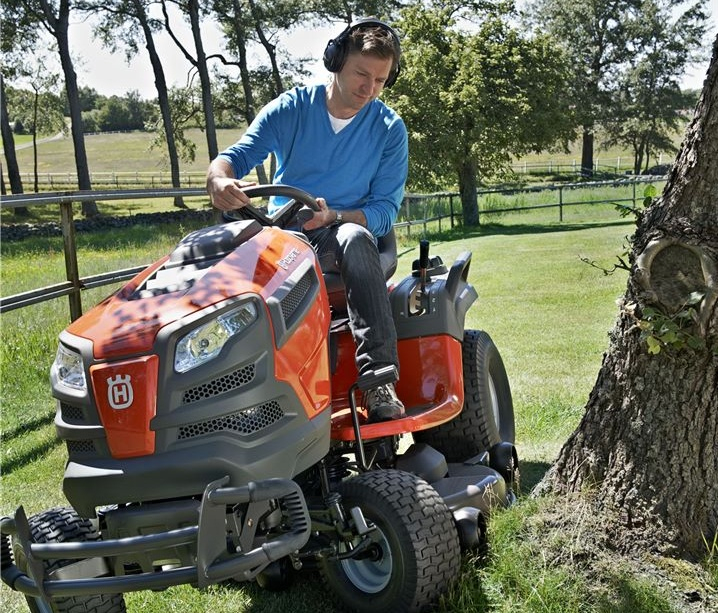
(473, 98)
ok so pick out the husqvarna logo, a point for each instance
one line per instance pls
(119, 392)
(287, 260)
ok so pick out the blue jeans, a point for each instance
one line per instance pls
(352, 250)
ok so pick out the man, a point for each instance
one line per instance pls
(341, 143)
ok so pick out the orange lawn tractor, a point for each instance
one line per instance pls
(212, 412)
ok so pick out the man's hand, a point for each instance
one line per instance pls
(226, 193)
(323, 217)
(224, 190)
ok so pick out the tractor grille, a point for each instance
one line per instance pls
(71, 413)
(292, 301)
(220, 385)
(75, 448)
(247, 421)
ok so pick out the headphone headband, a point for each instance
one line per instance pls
(335, 53)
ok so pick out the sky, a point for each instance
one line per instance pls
(110, 74)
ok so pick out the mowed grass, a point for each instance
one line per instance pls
(548, 313)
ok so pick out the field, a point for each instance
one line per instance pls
(548, 312)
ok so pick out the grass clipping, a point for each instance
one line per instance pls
(556, 554)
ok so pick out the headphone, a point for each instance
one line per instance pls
(335, 53)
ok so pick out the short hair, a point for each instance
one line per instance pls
(376, 41)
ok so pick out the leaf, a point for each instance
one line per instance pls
(669, 338)
(695, 342)
(649, 313)
(654, 345)
(650, 191)
(695, 298)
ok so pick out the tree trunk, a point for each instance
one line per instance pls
(249, 113)
(648, 442)
(587, 152)
(60, 26)
(467, 190)
(206, 83)
(36, 176)
(269, 48)
(162, 99)
(8, 141)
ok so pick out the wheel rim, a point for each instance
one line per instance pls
(371, 575)
(494, 403)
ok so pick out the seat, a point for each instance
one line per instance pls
(333, 280)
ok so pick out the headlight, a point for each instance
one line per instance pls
(68, 369)
(205, 343)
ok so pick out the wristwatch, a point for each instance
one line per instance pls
(340, 218)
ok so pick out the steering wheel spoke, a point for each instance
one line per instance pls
(300, 205)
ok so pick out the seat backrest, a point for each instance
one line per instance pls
(333, 280)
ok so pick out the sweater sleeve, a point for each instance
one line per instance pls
(259, 140)
(387, 186)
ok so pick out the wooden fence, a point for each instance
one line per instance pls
(431, 207)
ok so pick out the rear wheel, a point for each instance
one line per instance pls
(415, 552)
(61, 525)
(487, 417)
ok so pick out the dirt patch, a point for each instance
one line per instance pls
(573, 534)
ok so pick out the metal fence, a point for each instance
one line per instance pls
(418, 210)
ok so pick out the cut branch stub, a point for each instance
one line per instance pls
(669, 272)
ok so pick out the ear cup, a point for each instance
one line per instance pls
(336, 49)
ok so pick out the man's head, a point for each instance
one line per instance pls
(368, 37)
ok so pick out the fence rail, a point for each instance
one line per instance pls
(162, 178)
(76, 284)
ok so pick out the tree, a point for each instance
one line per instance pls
(184, 109)
(9, 146)
(129, 21)
(595, 35)
(195, 10)
(47, 116)
(245, 23)
(648, 103)
(16, 30)
(471, 100)
(54, 16)
(648, 442)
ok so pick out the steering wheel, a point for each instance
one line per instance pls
(297, 211)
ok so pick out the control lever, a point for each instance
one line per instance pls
(418, 300)
(423, 263)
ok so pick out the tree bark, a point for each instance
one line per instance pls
(162, 98)
(648, 442)
(587, 152)
(467, 190)
(59, 26)
(249, 113)
(8, 141)
(205, 81)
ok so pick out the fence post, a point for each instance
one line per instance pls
(451, 210)
(633, 183)
(71, 269)
(560, 203)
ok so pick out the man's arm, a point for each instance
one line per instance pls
(223, 188)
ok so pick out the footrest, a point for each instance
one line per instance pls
(484, 491)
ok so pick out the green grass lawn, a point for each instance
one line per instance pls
(548, 313)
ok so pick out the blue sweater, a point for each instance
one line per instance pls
(364, 166)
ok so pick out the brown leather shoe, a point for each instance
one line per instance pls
(382, 404)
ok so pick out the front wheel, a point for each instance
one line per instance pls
(487, 417)
(62, 525)
(414, 554)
